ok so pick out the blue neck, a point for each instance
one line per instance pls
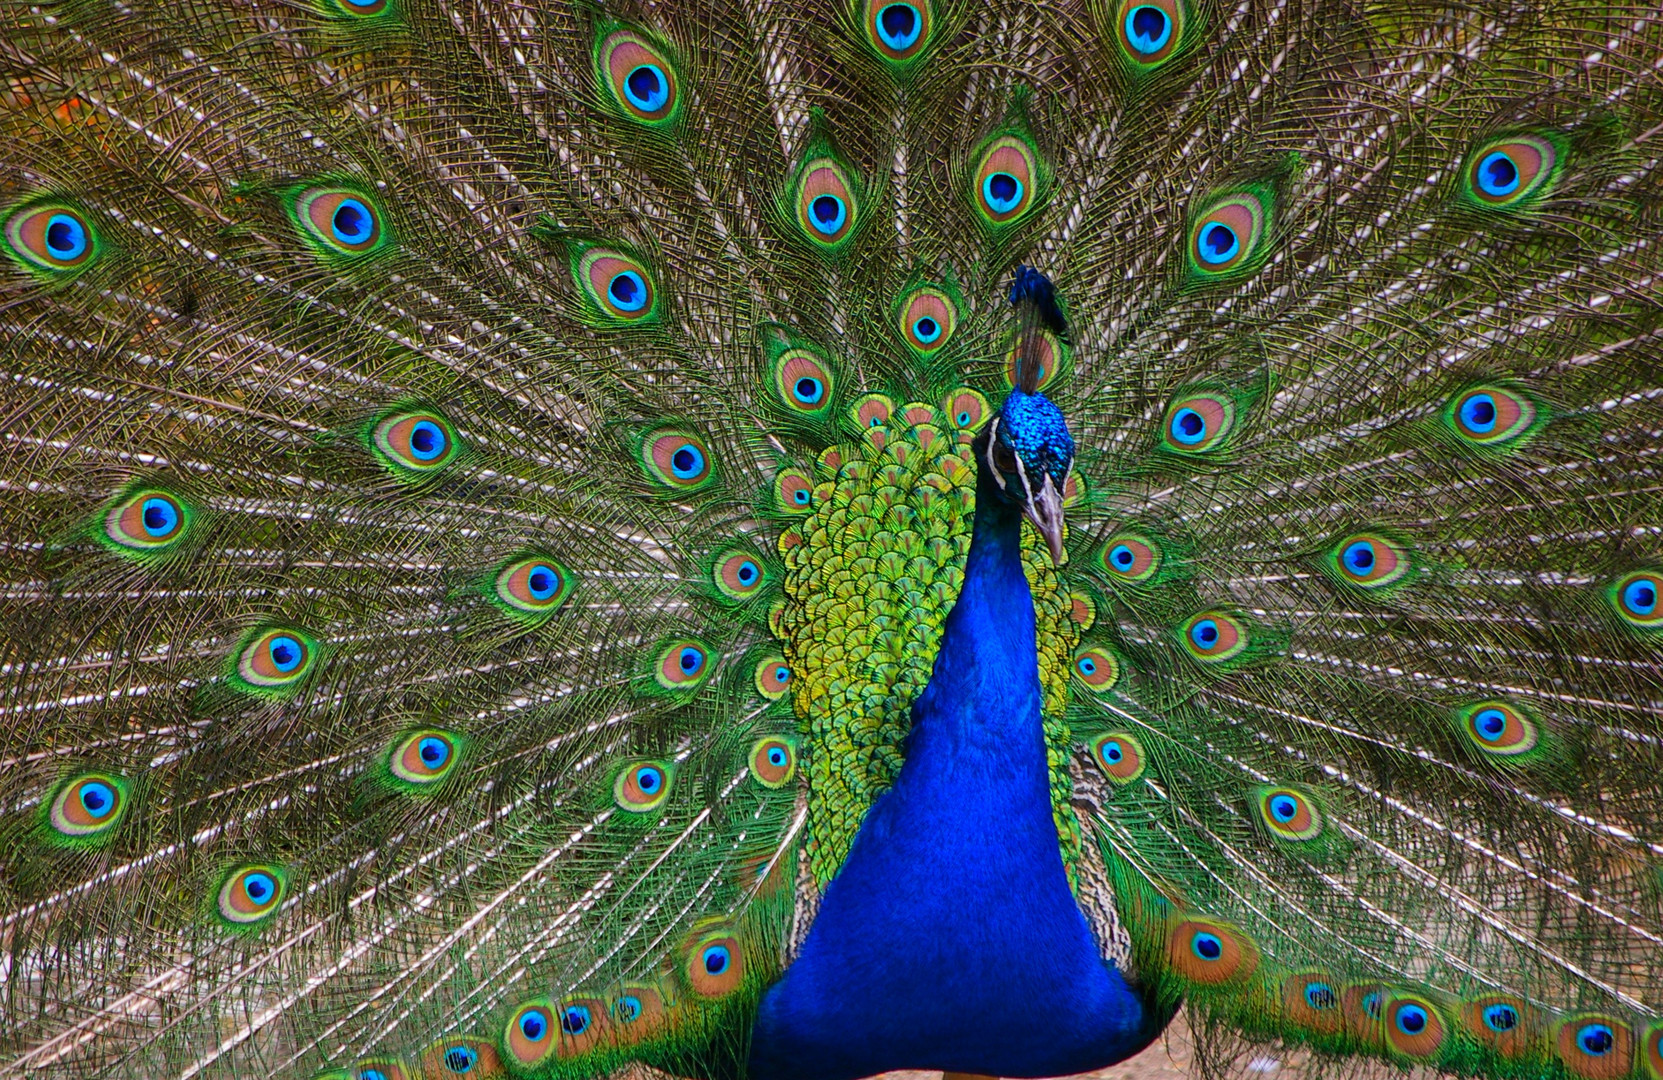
(950, 939)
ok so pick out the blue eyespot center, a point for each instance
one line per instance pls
(1490, 724)
(542, 582)
(898, 26)
(1319, 995)
(1112, 752)
(627, 290)
(1188, 426)
(1498, 174)
(801, 496)
(776, 757)
(782, 674)
(687, 462)
(371, 1074)
(1411, 1019)
(352, 222)
(1207, 946)
(627, 1008)
(1205, 633)
(691, 660)
(1122, 557)
(1640, 597)
(1087, 666)
(461, 1059)
(1283, 808)
(963, 419)
(646, 88)
(66, 238)
(1596, 1040)
(532, 1026)
(1478, 414)
(649, 780)
(433, 751)
(286, 653)
(1501, 1017)
(927, 330)
(259, 887)
(574, 1019)
(1359, 557)
(1148, 29)
(1218, 243)
(827, 214)
(158, 516)
(427, 440)
(97, 799)
(716, 959)
(748, 573)
(1002, 191)
(808, 390)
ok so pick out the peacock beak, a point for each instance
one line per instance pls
(1044, 509)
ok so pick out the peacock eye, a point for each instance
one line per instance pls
(1004, 458)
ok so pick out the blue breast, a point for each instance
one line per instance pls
(950, 939)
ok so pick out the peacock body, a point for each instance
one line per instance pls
(546, 538)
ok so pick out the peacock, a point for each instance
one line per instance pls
(577, 538)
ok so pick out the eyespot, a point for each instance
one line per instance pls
(1499, 729)
(1227, 236)
(379, 1068)
(338, 222)
(423, 758)
(1097, 667)
(355, 9)
(583, 1021)
(530, 1036)
(1209, 952)
(1503, 1023)
(1504, 174)
(897, 30)
(1636, 597)
(826, 206)
(677, 459)
(1003, 186)
(1213, 636)
(793, 491)
(274, 660)
(250, 895)
(619, 288)
(1149, 31)
(772, 677)
(966, 409)
(1130, 557)
(1490, 415)
(1368, 561)
(86, 809)
(1414, 1027)
(531, 588)
(1596, 1047)
(51, 237)
(1312, 1001)
(415, 443)
(1048, 355)
(873, 410)
(461, 1055)
(682, 664)
(146, 521)
(1120, 756)
(774, 761)
(1198, 423)
(643, 786)
(639, 77)
(1288, 813)
(715, 965)
(738, 575)
(803, 382)
(928, 318)
(1360, 1007)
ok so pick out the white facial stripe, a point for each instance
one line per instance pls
(992, 441)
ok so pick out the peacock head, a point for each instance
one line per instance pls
(1026, 449)
(1028, 453)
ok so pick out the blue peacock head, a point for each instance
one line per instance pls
(1028, 450)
